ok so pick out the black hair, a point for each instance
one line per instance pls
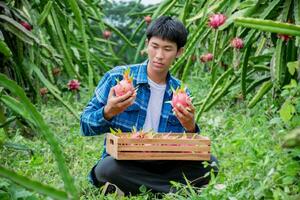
(168, 28)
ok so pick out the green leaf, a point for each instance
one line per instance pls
(269, 26)
(293, 66)
(297, 18)
(293, 84)
(68, 63)
(42, 78)
(266, 86)
(244, 71)
(4, 49)
(288, 180)
(32, 185)
(17, 107)
(78, 15)
(292, 139)
(44, 130)
(45, 13)
(22, 194)
(286, 111)
(217, 5)
(143, 189)
(278, 66)
(54, 90)
(4, 195)
(2, 138)
(212, 90)
(242, 12)
(17, 29)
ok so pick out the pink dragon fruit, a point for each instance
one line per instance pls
(124, 85)
(237, 43)
(216, 20)
(180, 97)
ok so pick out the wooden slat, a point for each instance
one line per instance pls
(162, 141)
(163, 148)
(188, 136)
(163, 156)
(112, 146)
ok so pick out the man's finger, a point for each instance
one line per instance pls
(178, 107)
(183, 110)
(191, 107)
(127, 102)
(179, 115)
(111, 92)
(124, 97)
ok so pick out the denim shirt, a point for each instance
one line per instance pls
(92, 121)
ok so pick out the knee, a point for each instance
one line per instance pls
(107, 169)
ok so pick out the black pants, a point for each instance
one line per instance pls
(155, 175)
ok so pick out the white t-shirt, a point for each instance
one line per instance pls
(157, 92)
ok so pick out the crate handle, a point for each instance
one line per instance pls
(111, 141)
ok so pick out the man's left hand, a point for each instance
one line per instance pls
(186, 116)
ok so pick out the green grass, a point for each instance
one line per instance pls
(253, 164)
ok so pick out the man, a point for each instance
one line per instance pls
(145, 109)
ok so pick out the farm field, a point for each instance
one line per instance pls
(241, 64)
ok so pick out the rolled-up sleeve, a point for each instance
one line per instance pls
(92, 121)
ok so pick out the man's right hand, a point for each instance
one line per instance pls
(116, 105)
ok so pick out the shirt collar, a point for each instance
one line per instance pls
(142, 73)
(142, 78)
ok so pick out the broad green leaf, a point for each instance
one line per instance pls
(54, 91)
(278, 66)
(184, 11)
(269, 26)
(68, 64)
(2, 137)
(45, 13)
(256, 83)
(297, 18)
(161, 7)
(17, 29)
(4, 49)
(266, 86)
(32, 185)
(222, 93)
(286, 111)
(297, 11)
(212, 91)
(217, 5)
(17, 107)
(42, 78)
(244, 71)
(44, 130)
(292, 139)
(293, 66)
(247, 10)
(293, 84)
(4, 195)
(78, 15)
(22, 193)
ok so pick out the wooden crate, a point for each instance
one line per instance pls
(160, 147)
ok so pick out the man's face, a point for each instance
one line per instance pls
(161, 54)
